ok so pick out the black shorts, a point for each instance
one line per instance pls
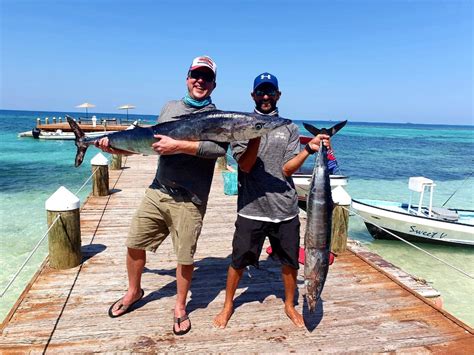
(249, 237)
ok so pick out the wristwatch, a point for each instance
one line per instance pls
(308, 149)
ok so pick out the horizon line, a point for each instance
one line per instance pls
(324, 120)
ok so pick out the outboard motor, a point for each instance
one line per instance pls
(36, 132)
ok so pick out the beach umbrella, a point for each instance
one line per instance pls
(126, 107)
(86, 105)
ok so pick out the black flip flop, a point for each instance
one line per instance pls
(178, 321)
(125, 308)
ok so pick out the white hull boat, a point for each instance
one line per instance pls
(60, 135)
(302, 182)
(418, 223)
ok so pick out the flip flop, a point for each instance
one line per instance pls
(178, 321)
(124, 308)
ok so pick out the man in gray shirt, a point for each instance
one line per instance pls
(267, 200)
(175, 203)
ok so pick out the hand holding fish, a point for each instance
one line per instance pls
(166, 146)
(104, 145)
(316, 141)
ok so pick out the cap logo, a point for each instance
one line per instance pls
(263, 76)
(206, 60)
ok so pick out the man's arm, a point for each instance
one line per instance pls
(103, 144)
(167, 146)
(249, 157)
(295, 163)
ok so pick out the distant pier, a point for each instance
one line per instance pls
(364, 308)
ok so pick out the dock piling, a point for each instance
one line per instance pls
(64, 237)
(100, 180)
(340, 217)
(222, 163)
(116, 163)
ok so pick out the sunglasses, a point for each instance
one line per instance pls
(206, 76)
(266, 92)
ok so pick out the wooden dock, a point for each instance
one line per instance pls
(363, 309)
(86, 127)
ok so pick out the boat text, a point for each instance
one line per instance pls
(423, 233)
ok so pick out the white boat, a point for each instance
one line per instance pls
(417, 222)
(302, 182)
(59, 135)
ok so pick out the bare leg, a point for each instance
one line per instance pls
(136, 260)
(233, 279)
(289, 281)
(184, 275)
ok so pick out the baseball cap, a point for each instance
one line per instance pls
(265, 78)
(204, 61)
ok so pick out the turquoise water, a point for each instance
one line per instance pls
(378, 158)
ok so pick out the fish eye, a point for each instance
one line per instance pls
(258, 126)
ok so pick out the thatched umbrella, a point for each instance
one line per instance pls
(86, 105)
(126, 107)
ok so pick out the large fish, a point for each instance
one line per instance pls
(319, 208)
(215, 125)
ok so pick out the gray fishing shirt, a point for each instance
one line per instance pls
(183, 173)
(265, 193)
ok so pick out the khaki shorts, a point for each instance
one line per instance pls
(158, 216)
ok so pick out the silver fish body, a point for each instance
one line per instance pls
(318, 230)
(215, 125)
(319, 206)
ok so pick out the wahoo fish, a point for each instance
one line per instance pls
(215, 125)
(319, 208)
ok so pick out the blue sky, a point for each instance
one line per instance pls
(373, 61)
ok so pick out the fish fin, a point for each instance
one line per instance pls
(196, 113)
(331, 131)
(334, 129)
(311, 129)
(81, 147)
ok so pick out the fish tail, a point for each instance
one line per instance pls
(311, 129)
(81, 146)
(331, 131)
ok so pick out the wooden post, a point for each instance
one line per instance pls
(46, 120)
(340, 223)
(116, 163)
(64, 237)
(340, 218)
(54, 119)
(60, 119)
(38, 122)
(100, 180)
(222, 162)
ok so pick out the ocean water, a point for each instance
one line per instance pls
(378, 159)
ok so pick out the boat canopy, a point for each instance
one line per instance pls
(419, 184)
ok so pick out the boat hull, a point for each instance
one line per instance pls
(302, 183)
(413, 227)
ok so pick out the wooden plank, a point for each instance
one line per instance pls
(362, 308)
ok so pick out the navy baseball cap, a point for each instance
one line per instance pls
(265, 78)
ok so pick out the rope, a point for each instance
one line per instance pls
(41, 240)
(414, 246)
(29, 256)
(90, 177)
